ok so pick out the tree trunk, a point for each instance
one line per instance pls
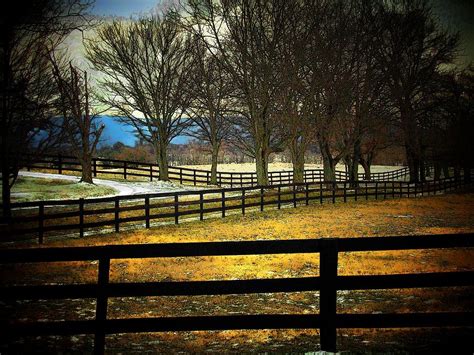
(261, 161)
(215, 154)
(162, 159)
(467, 173)
(437, 170)
(413, 165)
(86, 167)
(422, 167)
(328, 168)
(411, 142)
(352, 164)
(4, 154)
(297, 158)
(445, 170)
(329, 165)
(366, 165)
(6, 191)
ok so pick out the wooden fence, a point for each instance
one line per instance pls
(327, 283)
(41, 218)
(131, 169)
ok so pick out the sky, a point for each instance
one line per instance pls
(123, 8)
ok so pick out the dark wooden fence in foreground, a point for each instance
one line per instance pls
(327, 283)
(41, 218)
(132, 169)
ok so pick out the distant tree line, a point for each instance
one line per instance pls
(350, 77)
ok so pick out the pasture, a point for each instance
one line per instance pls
(450, 213)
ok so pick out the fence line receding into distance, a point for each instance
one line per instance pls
(38, 219)
(132, 169)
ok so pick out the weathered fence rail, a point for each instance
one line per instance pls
(132, 169)
(49, 218)
(327, 283)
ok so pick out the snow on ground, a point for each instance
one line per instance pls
(250, 167)
(123, 188)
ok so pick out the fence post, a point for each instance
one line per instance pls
(41, 222)
(279, 197)
(207, 177)
(345, 192)
(356, 186)
(147, 211)
(125, 170)
(117, 217)
(151, 172)
(101, 305)
(328, 293)
(261, 199)
(223, 201)
(307, 194)
(81, 217)
(294, 195)
(181, 176)
(201, 206)
(243, 202)
(320, 192)
(60, 164)
(333, 192)
(366, 191)
(384, 190)
(176, 220)
(194, 178)
(376, 190)
(94, 166)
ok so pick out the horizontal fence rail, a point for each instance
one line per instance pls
(327, 283)
(132, 169)
(80, 216)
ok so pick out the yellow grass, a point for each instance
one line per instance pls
(429, 215)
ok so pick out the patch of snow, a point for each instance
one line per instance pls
(123, 188)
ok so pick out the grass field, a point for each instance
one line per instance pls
(452, 213)
(35, 189)
(250, 167)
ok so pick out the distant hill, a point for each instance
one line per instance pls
(116, 131)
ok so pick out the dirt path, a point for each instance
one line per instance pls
(122, 188)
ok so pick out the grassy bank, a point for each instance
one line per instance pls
(35, 189)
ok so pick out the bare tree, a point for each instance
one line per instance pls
(449, 138)
(412, 51)
(210, 90)
(294, 105)
(330, 62)
(247, 35)
(30, 31)
(146, 64)
(79, 122)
